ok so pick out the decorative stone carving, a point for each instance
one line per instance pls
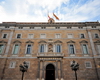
(3, 41)
(58, 41)
(17, 41)
(42, 41)
(83, 41)
(50, 48)
(70, 41)
(29, 41)
(98, 41)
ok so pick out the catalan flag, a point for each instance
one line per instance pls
(55, 16)
(48, 16)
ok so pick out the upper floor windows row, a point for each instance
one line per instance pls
(7, 27)
(57, 35)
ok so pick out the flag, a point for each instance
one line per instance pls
(48, 16)
(55, 16)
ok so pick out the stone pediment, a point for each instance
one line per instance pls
(29, 41)
(42, 41)
(98, 41)
(58, 41)
(17, 41)
(83, 41)
(71, 41)
(3, 41)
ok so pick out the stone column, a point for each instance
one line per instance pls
(9, 42)
(61, 70)
(91, 42)
(38, 73)
(43, 70)
(56, 70)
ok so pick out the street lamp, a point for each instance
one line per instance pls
(75, 67)
(23, 68)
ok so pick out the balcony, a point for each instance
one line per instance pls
(50, 55)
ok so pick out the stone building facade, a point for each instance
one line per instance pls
(48, 48)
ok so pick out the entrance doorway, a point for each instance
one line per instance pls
(50, 72)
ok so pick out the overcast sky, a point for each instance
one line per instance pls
(38, 10)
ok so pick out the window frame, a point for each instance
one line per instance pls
(83, 34)
(82, 48)
(57, 36)
(14, 47)
(44, 35)
(11, 64)
(74, 48)
(3, 35)
(96, 48)
(32, 37)
(45, 47)
(31, 48)
(97, 34)
(56, 47)
(89, 63)
(20, 36)
(71, 34)
(3, 49)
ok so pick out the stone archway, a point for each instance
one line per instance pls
(50, 72)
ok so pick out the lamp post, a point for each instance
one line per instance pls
(75, 67)
(23, 68)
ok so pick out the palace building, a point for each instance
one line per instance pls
(49, 48)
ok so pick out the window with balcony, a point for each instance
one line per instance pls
(16, 49)
(1, 48)
(28, 49)
(84, 49)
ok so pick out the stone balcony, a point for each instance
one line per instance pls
(50, 55)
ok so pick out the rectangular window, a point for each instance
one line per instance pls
(16, 49)
(96, 36)
(12, 64)
(29, 48)
(71, 49)
(88, 65)
(4, 35)
(70, 36)
(58, 48)
(18, 35)
(57, 36)
(98, 48)
(85, 50)
(1, 48)
(82, 36)
(42, 48)
(30, 36)
(42, 36)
